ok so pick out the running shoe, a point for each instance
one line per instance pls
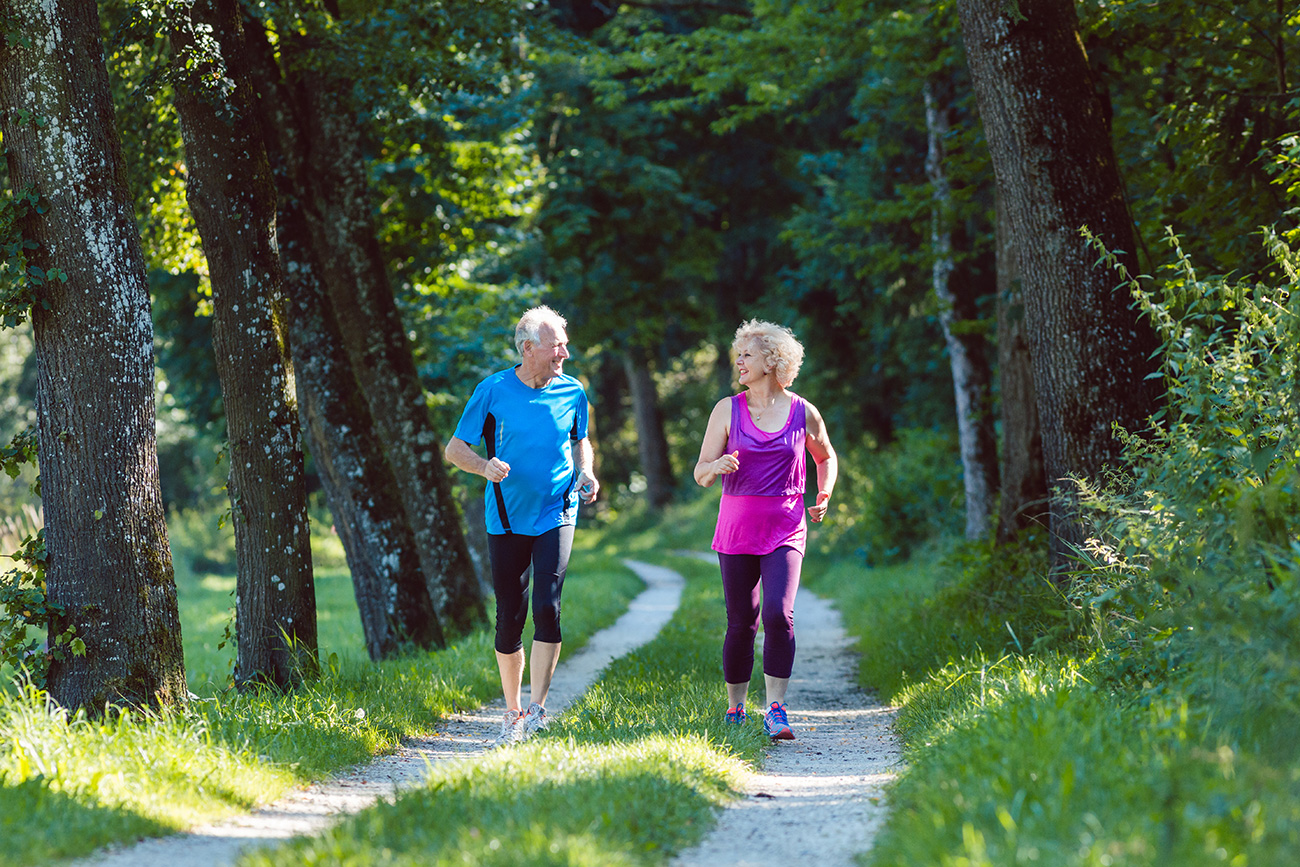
(736, 715)
(775, 724)
(534, 720)
(512, 729)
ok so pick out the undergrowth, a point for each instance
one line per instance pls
(1147, 714)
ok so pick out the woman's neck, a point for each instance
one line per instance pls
(766, 392)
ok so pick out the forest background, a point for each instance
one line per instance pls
(660, 171)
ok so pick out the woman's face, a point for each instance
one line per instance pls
(749, 362)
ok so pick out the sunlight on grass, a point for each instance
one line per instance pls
(127, 775)
(141, 775)
(558, 801)
(631, 772)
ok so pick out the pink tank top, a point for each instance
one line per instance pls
(762, 502)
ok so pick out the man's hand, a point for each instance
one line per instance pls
(588, 487)
(495, 470)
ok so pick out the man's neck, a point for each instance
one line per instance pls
(536, 379)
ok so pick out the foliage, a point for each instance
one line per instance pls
(26, 648)
(24, 609)
(20, 283)
(1193, 565)
(1199, 91)
(890, 500)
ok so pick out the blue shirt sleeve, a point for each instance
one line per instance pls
(580, 420)
(470, 426)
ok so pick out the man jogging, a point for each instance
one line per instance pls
(532, 421)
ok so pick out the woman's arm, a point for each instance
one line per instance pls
(713, 462)
(819, 444)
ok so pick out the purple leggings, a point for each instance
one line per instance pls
(778, 573)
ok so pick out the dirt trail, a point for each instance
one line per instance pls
(819, 799)
(316, 807)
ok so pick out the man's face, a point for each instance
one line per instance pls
(548, 354)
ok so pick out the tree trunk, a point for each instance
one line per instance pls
(357, 281)
(1056, 172)
(359, 484)
(232, 196)
(1024, 485)
(967, 353)
(651, 443)
(110, 566)
(390, 589)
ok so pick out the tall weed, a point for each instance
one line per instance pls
(1194, 562)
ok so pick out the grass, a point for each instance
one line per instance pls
(134, 774)
(631, 773)
(1023, 747)
(1030, 761)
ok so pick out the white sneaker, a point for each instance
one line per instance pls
(512, 729)
(534, 719)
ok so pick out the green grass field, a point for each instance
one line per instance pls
(71, 784)
(1017, 752)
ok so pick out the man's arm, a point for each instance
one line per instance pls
(583, 453)
(462, 455)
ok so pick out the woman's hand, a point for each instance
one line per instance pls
(726, 465)
(818, 511)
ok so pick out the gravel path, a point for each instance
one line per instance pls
(819, 799)
(318, 806)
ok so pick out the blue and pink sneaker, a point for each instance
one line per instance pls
(775, 723)
(736, 715)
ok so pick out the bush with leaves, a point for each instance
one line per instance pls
(1194, 563)
(891, 500)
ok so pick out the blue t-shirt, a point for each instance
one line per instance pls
(533, 430)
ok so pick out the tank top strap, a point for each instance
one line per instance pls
(799, 422)
(738, 413)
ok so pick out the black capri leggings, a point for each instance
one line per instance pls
(511, 554)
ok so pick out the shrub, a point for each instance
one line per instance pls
(891, 500)
(1194, 561)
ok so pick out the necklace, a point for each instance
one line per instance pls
(758, 411)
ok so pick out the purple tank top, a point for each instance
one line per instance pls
(771, 463)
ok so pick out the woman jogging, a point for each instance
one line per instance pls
(756, 441)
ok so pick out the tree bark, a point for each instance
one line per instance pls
(967, 352)
(1024, 484)
(356, 279)
(110, 566)
(371, 521)
(651, 442)
(1056, 171)
(391, 593)
(232, 196)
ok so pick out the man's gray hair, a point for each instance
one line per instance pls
(530, 325)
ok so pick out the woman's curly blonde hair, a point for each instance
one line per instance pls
(782, 353)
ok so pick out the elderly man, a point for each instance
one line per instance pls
(532, 420)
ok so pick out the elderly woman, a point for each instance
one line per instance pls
(756, 442)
